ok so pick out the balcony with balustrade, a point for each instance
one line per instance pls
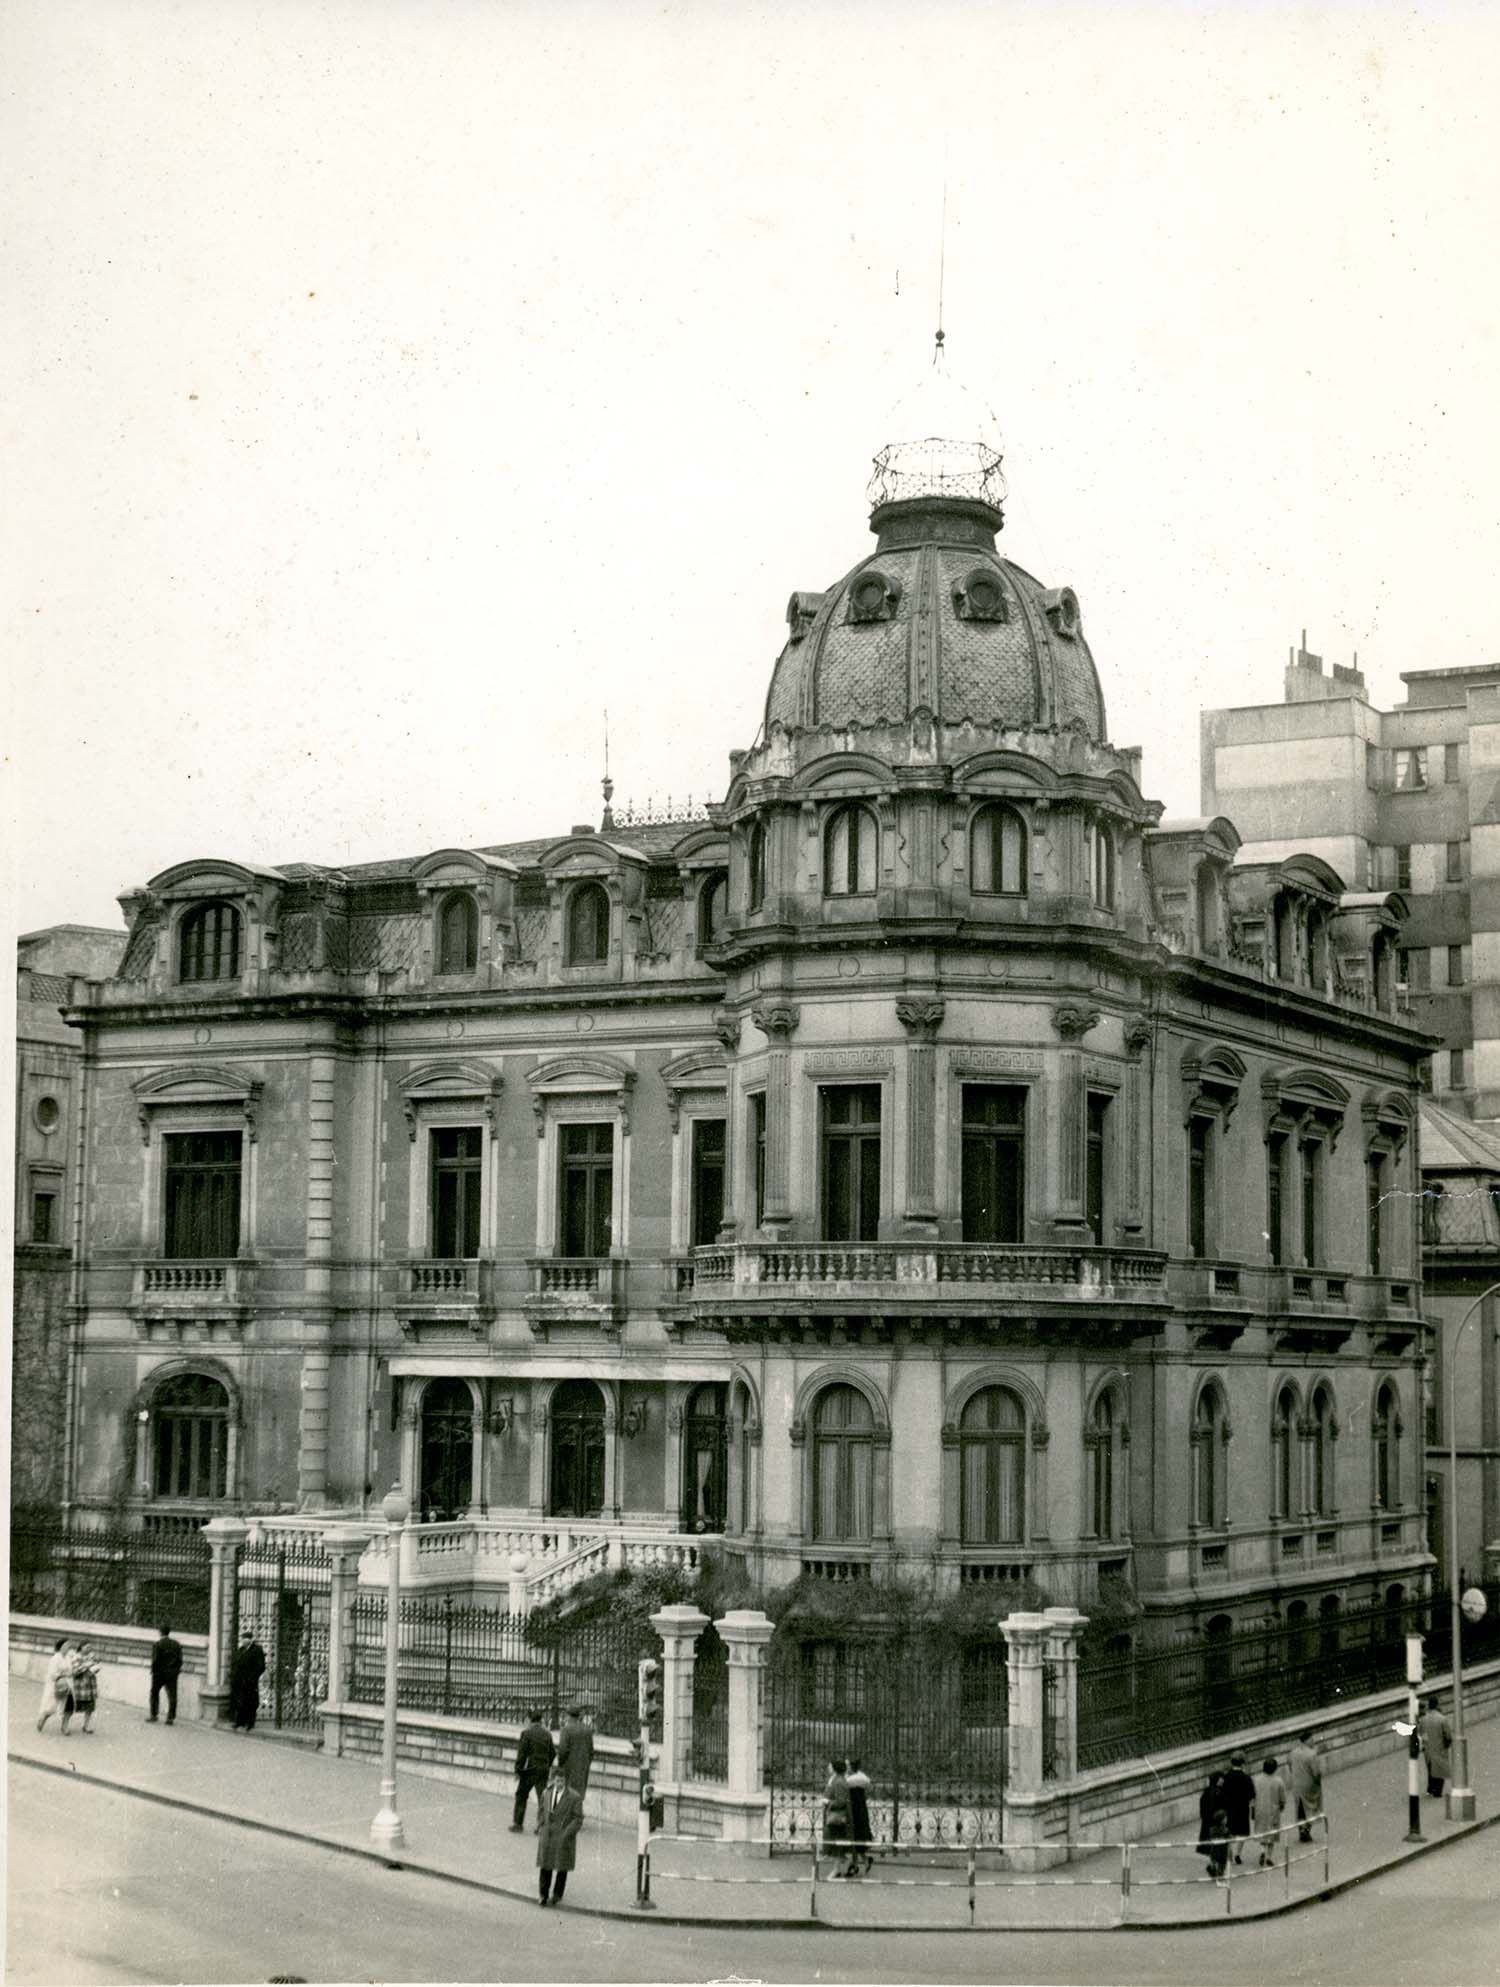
(441, 1293)
(213, 1295)
(576, 1290)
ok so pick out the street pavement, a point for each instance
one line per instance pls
(461, 1833)
(107, 1888)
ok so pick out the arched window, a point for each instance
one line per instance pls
(843, 1472)
(208, 943)
(1210, 1465)
(997, 852)
(705, 1458)
(1385, 1431)
(1102, 866)
(588, 925)
(744, 1418)
(849, 843)
(1105, 1504)
(1284, 1455)
(756, 864)
(992, 1468)
(458, 933)
(575, 1416)
(713, 907)
(190, 1438)
(1324, 1428)
(446, 1463)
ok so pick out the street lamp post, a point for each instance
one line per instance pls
(1460, 1793)
(386, 1829)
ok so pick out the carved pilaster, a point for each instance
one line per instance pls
(921, 1017)
(777, 1021)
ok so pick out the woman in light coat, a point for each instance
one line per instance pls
(57, 1681)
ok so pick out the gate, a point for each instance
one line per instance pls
(281, 1596)
(927, 1724)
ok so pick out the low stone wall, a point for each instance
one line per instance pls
(1136, 1799)
(124, 1657)
(475, 1753)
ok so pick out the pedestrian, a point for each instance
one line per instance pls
(1270, 1801)
(575, 1750)
(1437, 1737)
(559, 1818)
(535, 1753)
(836, 1813)
(1239, 1798)
(1306, 1763)
(56, 1684)
(858, 1783)
(1213, 1824)
(85, 1689)
(166, 1667)
(246, 1668)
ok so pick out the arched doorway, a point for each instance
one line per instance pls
(705, 1457)
(576, 1415)
(445, 1475)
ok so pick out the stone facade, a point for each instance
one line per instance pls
(876, 1173)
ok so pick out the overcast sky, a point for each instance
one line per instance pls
(396, 384)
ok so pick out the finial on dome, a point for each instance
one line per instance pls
(607, 784)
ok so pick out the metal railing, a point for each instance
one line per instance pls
(138, 1579)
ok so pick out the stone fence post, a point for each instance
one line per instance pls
(745, 1633)
(1026, 1638)
(225, 1537)
(343, 1544)
(1065, 1631)
(679, 1627)
(517, 1600)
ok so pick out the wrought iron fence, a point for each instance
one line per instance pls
(465, 1660)
(1151, 1700)
(710, 1744)
(282, 1591)
(137, 1579)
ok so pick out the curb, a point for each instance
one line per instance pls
(627, 1915)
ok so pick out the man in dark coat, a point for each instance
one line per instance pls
(534, 1755)
(166, 1667)
(1239, 1798)
(245, 1672)
(557, 1829)
(575, 1751)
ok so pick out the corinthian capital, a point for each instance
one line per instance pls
(777, 1018)
(1072, 1020)
(922, 1016)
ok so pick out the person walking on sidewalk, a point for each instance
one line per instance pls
(557, 1829)
(575, 1751)
(534, 1755)
(1437, 1737)
(1214, 1824)
(57, 1684)
(1239, 1799)
(166, 1668)
(85, 1688)
(836, 1815)
(1270, 1801)
(246, 1669)
(858, 1783)
(1306, 1765)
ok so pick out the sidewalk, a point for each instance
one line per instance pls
(462, 1834)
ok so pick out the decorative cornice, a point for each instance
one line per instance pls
(922, 1016)
(727, 1028)
(1073, 1020)
(1137, 1035)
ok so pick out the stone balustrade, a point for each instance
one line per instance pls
(811, 1267)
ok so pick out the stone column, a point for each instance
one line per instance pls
(921, 1017)
(344, 1545)
(1026, 1638)
(1066, 1626)
(225, 1537)
(745, 1633)
(777, 1021)
(1137, 1036)
(679, 1627)
(1072, 1021)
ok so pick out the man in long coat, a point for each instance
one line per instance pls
(534, 1756)
(1305, 1766)
(557, 1835)
(246, 1668)
(1437, 1737)
(575, 1751)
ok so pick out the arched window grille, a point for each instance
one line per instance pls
(713, 908)
(705, 1459)
(992, 1468)
(1105, 1518)
(843, 1468)
(1284, 1454)
(575, 1419)
(208, 943)
(1102, 866)
(446, 1464)
(849, 844)
(1386, 1435)
(190, 1438)
(1324, 1429)
(757, 865)
(458, 933)
(1209, 1461)
(997, 852)
(588, 925)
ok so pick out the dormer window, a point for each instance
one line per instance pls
(997, 852)
(588, 925)
(458, 933)
(1061, 606)
(849, 844)
(980, 597)
(208, 943)
(873, 597)
(713, 908)
(1102, 867)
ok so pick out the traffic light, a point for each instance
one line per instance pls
(648, 1688)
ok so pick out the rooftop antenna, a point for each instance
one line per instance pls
(937, 350)
(607, 783)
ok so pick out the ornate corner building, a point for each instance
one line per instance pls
(930, 1159)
